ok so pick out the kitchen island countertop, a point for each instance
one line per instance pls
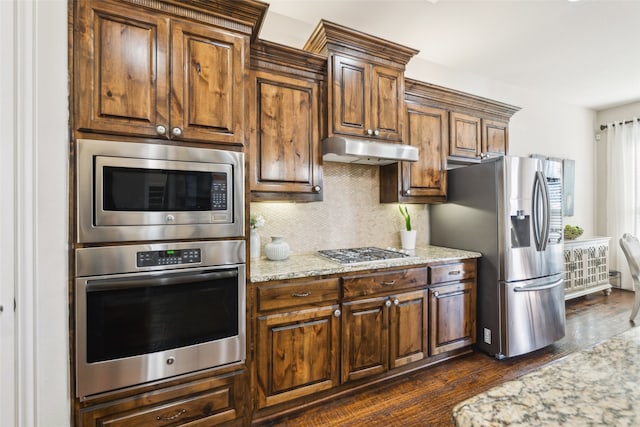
(312, 264)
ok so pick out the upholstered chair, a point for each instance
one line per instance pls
(631, 248)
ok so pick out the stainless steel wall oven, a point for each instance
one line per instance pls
(132, 191)
(152, 311)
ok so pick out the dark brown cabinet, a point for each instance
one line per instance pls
(366, 82)
(424, 181)
(285, 123)
(366, 99)
(388, 330)
(144, 73)
(298, 336)
(210, 402)
(452, 306)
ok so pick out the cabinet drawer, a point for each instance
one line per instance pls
(452, 272)
(390, 281)
(297, 293)
(207, 402)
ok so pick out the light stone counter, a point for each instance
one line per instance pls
(309, 265)
(599, 386)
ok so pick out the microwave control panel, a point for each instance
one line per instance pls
(168, 257)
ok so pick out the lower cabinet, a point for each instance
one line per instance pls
(383, 333)
(206, 402)
(452, 308)
(586, 267)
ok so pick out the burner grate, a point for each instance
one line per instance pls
(355, 255)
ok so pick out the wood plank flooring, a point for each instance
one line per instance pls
(426, 398)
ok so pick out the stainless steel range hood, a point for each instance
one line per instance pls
(365, 152)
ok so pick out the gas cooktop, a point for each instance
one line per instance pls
(357, 255)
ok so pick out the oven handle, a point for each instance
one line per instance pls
(158, 279)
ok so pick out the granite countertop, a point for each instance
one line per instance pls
(312, 264)
(593, 387)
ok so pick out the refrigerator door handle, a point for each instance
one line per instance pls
(537, 288)
(541, 211)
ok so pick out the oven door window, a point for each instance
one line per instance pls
(130, 317)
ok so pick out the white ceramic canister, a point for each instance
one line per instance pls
(277, 249)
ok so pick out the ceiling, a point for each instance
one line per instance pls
(583, 53)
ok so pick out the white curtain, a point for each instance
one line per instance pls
(623, 190)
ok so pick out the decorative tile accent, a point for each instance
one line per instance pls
(350, 215)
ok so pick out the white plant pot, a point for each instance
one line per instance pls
(408, 239)
(254, 244)
(277, 249)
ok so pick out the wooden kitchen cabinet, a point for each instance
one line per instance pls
(424, 181)
(385, 331)
(495, 137)
(452, 306)
(145, 73)
(298, 338)
(476, 138)
(285, 116)
(366, 99)
(366, 82)
(209, 402)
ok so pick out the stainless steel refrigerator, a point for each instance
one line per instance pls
(510, 210)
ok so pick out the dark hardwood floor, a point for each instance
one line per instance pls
(427, 397)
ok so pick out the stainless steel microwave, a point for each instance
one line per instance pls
(132, 191)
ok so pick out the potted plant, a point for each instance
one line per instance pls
(408, 235)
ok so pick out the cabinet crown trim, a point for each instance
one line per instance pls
(328, 35)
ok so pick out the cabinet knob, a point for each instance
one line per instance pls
(436, 294)
(387, 303)
(407, 192)
(369, 131)
(316, 188)
(396, 301)
(161, 130)
(337, 313)
(176, 131)
(376, 132)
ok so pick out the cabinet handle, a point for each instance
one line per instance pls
(396, 301)
(376, 132)
(178, 414)
(337, 313)
(176, 131)
(407, 192)
(454, 272)
(301, 294)
(369, 131)
(316, 188)
(161, 130)
(436, 294)
(390, 283)
(387, 303)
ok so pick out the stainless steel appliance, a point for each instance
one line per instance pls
(510, 210)
(153, 311)
(130, 191)
(361, 255)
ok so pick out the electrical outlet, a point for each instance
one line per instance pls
(487, 335)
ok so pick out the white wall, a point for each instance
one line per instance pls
(34, 229)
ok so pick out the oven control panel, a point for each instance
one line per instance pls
(168, 257)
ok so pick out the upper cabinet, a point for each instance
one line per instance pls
(286, 87)
(142, 72)
(366, 78)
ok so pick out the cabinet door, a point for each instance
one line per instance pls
(427, 130)
(285, 141)
(387, 106)
(121, 69)
(297, 354)
(365, 339)
(452, 311)
(207, 80)
(350, 107)
(465, 136)
(408, 328)
(495, 138)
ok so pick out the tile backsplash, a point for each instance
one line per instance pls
(349, 216)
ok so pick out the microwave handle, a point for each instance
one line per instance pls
(158, 279)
